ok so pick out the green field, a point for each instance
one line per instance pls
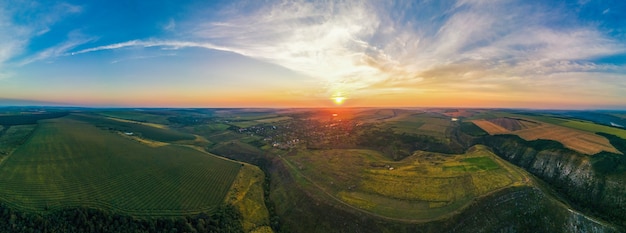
(421, 187)
(421, 123)
(147, 131)
(13, 136)
(68, 162)
(592, 127)
(140, 116)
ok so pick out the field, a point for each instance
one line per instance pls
(13, 136)
(68, 162)
(140, 116)
(575, 124)
(421, 187)
(578, 140)
(490, 127)
(140, 129)
(421, 123)
(27, 118)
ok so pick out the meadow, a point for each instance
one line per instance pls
(422, 187)
(68, 162)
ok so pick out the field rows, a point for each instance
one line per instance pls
(70, 163)
(578, 140)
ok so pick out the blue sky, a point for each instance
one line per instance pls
(465, 53)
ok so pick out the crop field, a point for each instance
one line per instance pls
(28, 118)
(592, 127)
(257, 120)
(574, 124)
(578, 140)
(458, 112)
(67, 162)
(140, 116)
(581, 141)
(421, 187)
(13, 136)
(375, 115)
(490, 127)
(143, 130)
(423, 124)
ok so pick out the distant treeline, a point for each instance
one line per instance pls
(29, 118)
(611, 163)
(225, 219)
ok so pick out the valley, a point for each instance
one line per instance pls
(318, 170)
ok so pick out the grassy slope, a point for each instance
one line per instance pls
(72, 163)
(419, 188)
(247, 196)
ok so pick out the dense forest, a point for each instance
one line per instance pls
(83, 220)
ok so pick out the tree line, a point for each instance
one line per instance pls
(226, 219)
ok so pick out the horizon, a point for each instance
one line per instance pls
(338, 108)
(543, 55)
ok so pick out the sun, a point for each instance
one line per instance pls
(339, 99)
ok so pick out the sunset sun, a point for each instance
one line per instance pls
(339, 100)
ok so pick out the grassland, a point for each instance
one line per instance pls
(68, 162)
(246, 195)
(422, 187)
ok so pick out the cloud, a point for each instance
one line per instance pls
(74, 39)
(35, 20)
(169, 44)
(170, 26)
(355, 45)
(364, 48)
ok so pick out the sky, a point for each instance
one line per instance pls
(293, 53)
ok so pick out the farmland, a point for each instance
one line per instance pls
(68, 162)
(421, 187)
(574, 124)
(409, 167)
(147, 131)
(13, 136)
(578, 140)
(420, 123)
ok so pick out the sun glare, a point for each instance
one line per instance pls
(339, 99)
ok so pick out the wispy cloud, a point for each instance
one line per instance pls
(365, 47)
(74, 39)
(35, 20)
(170, 26)
(167, 44)
(355, 45)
